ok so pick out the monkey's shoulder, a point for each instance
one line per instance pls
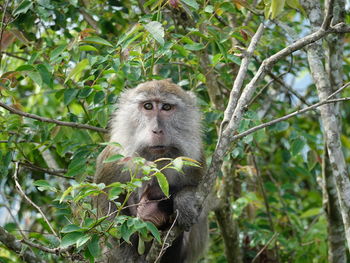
(108, 172)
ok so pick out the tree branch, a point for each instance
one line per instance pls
(329, 114)
(15, 245)
(60, 123)
(55, 251)
(58, 172)
(226, 137)
(286, 117)
(237, 85)
(21, 192)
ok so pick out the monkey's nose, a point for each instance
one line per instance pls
(157, 131)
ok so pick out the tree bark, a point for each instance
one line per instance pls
(224, 215)
(336, 236)
(329, 113)
(334, 61)
(15, 245)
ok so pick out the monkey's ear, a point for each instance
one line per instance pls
(169, 80)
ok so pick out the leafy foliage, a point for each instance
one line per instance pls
(69, 61)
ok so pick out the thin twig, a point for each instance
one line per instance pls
(56, 251)
(15, 177)
(55, 172)
(266, 245)
(162, 250)
(286, 117)
(338, 90)
(60, 123)
(14, 56)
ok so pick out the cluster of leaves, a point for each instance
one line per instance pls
(69, 61)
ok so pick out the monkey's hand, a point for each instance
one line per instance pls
(184, 203)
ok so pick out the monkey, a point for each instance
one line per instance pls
(155, 207)
(157, 119)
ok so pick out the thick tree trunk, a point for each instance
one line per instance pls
(224, 215)
(334, 65)
(329, 113)
(336, 235)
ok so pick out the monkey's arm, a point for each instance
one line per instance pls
(109, 173)
(185, 205)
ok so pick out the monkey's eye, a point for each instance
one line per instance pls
(166, 107)
(148, 106)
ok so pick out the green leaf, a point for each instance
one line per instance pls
(191, 3)
(113, 158)
(209, 9)
(190, 162)
(71, 228)
(248, 139)
(181, 50)
(293, 3)
(88, 48)
(36, 77)
(76, 170)
(194, 47)
(178, 163)
(217, 58)
(114, 192)
(65, 193)
(154, 231)
(276, 8)
(94, 247)
(23, 7)
(201, 77)
(70, 239)
(138, 223)
(81, 241)
(279, 127)
(76, 72)
(99, 97)
(70, 95)
(156, 30)
(126, 232)
(44, 185)
(45, 74)
(97, 40)
(311, 212)
(25, 68)
(141, 246)
(56, 52)
(297, 146)
(102, 118)
(163, 183)
(118, 145)
(84, 93)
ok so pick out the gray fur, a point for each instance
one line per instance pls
(132, 128)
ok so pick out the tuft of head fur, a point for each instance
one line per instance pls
(128, 123)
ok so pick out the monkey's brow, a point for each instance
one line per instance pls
(158, 101)
(170, 101)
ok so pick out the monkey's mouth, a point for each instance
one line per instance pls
(158, 148)
(154, 152)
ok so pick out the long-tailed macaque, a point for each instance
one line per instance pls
(157, 119)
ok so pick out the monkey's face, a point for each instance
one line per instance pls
(156, 136)
(158, 119)
(155, 207)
